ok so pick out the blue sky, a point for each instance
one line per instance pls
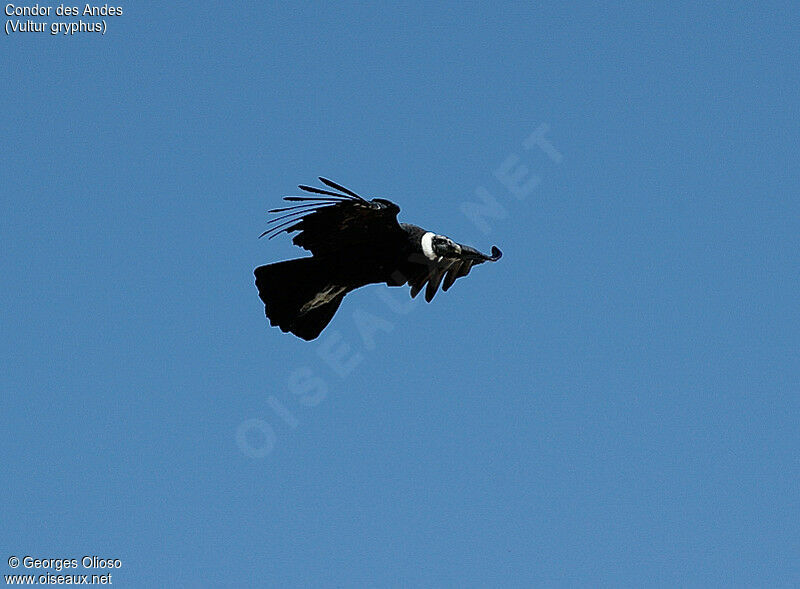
(615, 403)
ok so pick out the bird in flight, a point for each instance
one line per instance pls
(353, 242)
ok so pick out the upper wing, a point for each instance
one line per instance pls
(420, 271)
(336, 221)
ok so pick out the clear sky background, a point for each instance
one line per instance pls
(615, 403)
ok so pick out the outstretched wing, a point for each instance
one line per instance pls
(336, 221)
(421, 272)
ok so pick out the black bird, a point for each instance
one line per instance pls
(353, 242)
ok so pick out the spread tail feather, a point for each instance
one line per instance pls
(300, 296)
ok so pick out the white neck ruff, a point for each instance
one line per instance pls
(427, 246)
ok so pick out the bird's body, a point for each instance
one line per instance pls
(354, 242)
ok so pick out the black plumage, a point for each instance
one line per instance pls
(353, 242)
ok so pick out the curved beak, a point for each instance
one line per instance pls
(478, 257)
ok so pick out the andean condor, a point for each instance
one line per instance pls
(353, 242)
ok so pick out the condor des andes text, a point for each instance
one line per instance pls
(62, 10)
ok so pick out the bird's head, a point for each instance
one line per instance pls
(434, 246)
(444, 246)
